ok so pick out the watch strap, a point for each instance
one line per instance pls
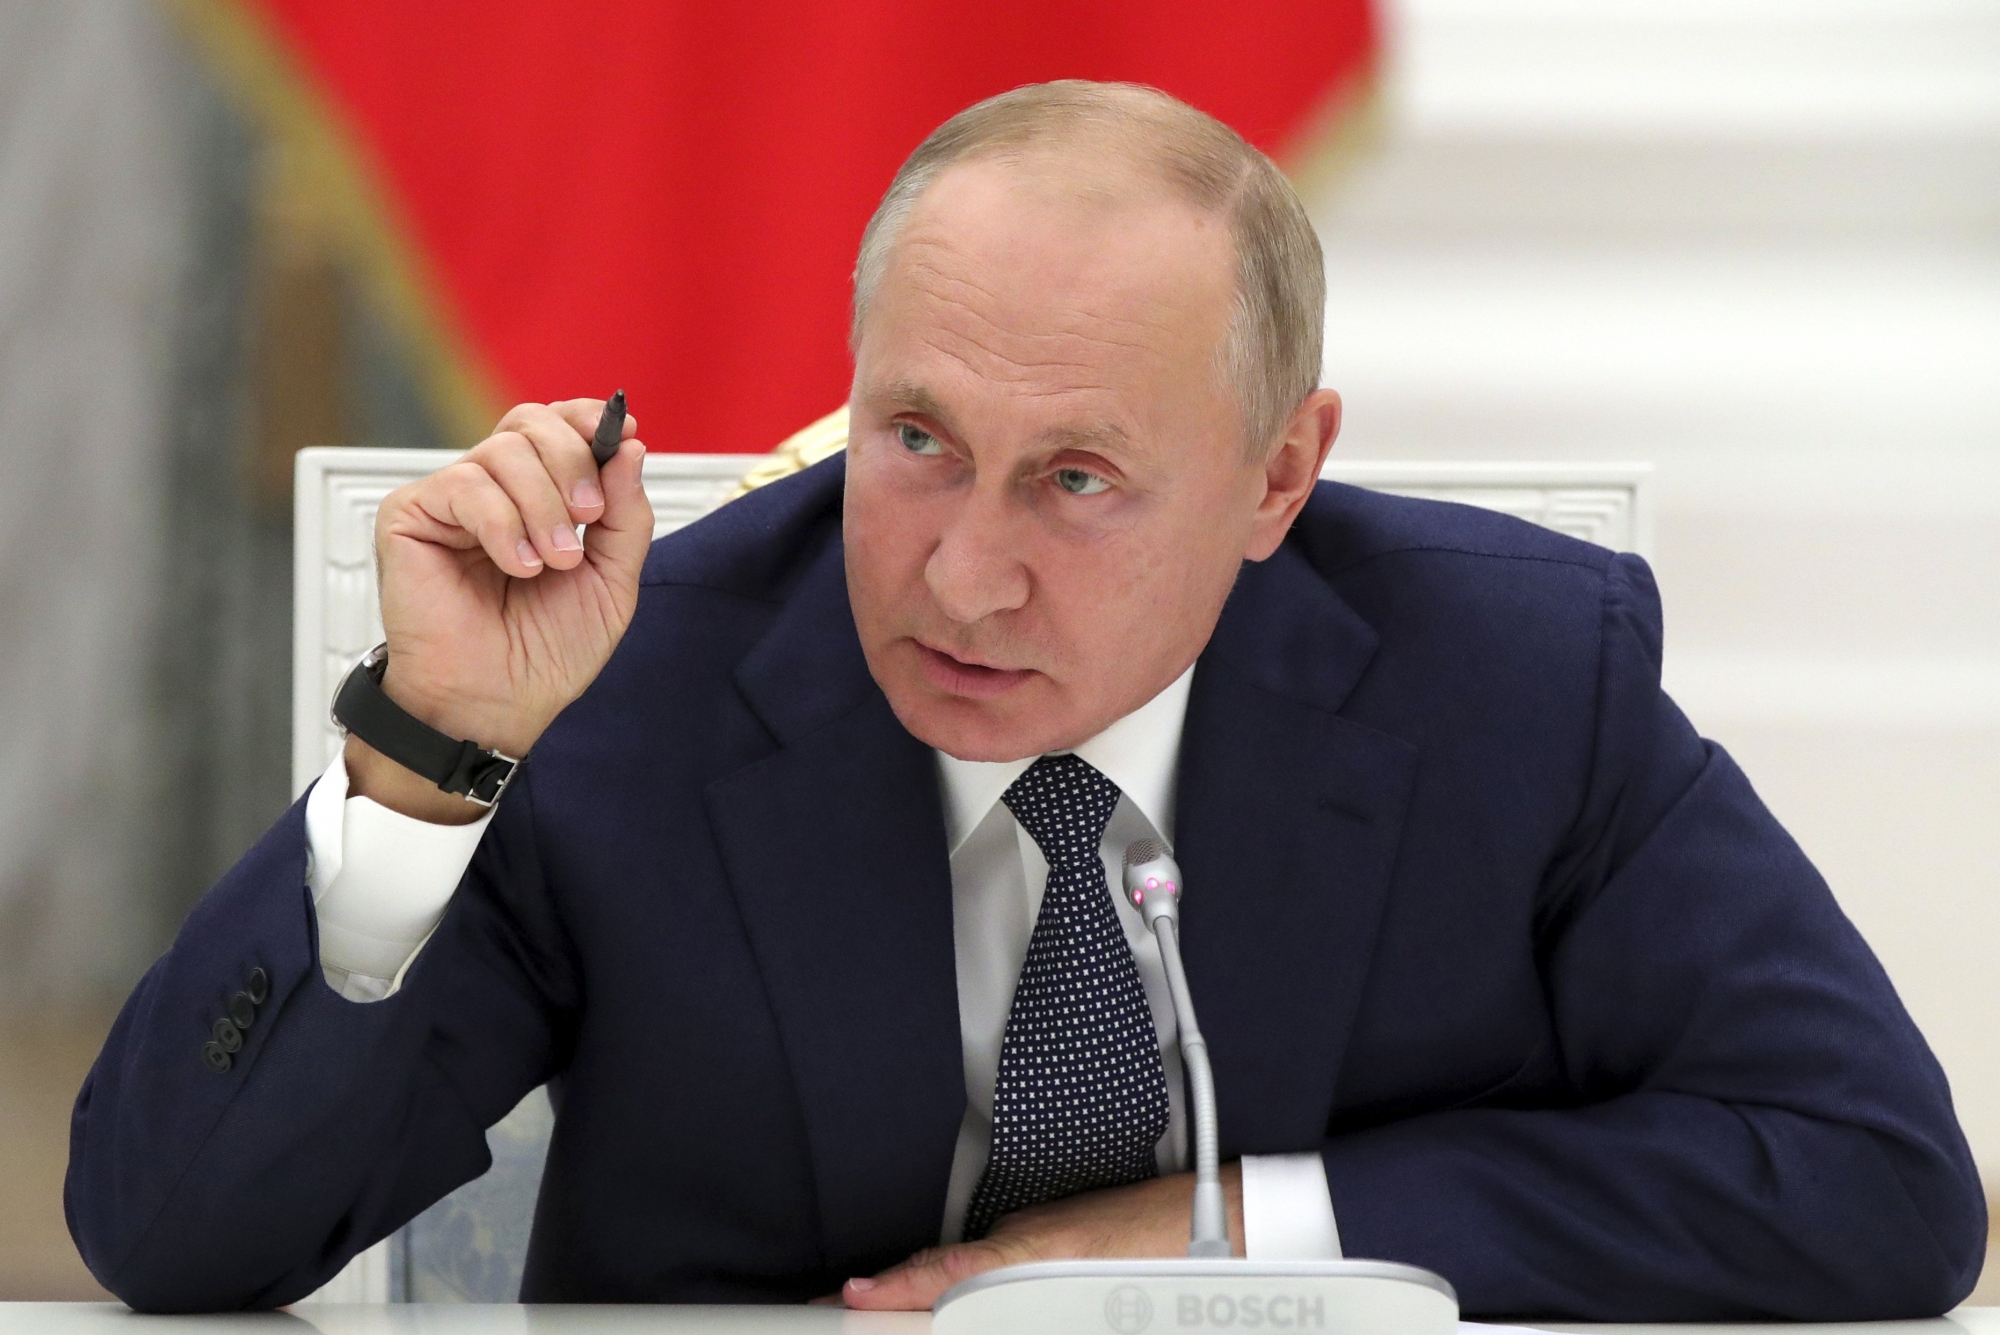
(363, 708)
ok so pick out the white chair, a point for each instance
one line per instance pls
(470, 1246)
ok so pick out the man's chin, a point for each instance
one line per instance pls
(973, 738)
(968, 729)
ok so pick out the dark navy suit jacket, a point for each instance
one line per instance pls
(1472, 911)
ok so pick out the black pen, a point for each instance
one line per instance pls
(610, 430)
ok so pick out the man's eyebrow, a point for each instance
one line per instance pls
(908, 394)
(1094, 436)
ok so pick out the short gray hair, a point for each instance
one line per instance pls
(1271, 353)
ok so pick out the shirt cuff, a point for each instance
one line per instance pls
(1287, 1210)
(380, 882)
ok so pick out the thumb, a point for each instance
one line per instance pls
(917, 1284)
(622, 534)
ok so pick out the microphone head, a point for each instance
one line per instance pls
(1152, 879)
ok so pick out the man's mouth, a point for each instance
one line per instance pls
(975, 681)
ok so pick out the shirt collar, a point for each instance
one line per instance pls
(1139, 753)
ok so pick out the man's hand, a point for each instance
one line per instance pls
(1148, 1218)
(497, 617)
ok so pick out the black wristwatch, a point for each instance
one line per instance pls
(466, 769)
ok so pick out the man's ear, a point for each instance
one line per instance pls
(1291, 469)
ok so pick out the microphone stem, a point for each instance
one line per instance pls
(1210, 1230)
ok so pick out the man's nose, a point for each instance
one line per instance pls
(976, 568)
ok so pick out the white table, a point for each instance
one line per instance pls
(511, 1319)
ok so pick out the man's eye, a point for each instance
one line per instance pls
(917, 440)
(1078, 482)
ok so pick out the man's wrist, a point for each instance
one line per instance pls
(408, 752)
(490, 725)
(1287, 1209)
(372, 775)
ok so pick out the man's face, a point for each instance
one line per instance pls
(1048, 495)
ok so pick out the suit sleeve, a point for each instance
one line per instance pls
(1746, 1124)
(194, 1188)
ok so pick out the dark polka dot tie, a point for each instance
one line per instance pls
(1080, 1100)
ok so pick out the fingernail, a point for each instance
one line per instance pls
(585, 494)
(861, 1285)
(563, 538)
(526, 551)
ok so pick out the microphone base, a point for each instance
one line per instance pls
(1132, 1297)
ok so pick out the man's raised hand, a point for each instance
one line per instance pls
(497, 616)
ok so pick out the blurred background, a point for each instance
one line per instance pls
(1754, 242)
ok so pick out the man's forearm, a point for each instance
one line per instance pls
(198, 1184)
(163, 1134)
(1662, 1207)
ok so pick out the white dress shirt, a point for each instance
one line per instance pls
(380, 882)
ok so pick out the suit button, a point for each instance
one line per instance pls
(217, 1057)
(258, 986)
(227, 1036)
(242, 1010)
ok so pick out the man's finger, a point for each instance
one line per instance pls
(563, 452)
(465, 500)
(620, 539)
(515, 463)
(919, 1282)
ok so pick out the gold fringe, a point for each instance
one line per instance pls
(802, 449)
(319, 197)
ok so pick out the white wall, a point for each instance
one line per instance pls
(1758, 243)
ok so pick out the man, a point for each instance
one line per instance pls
(800, 903)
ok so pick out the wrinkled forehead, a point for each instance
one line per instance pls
(1016, 265)
(1090, 193)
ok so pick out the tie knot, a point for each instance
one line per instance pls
(1063, 803)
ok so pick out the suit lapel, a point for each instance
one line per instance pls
(1289, 818)
(835, 848)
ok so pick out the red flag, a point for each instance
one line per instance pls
(667, 196)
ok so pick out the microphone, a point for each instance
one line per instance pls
(1153, 884)
(1208, 1287)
